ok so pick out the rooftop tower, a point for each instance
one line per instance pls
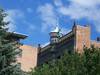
(54, 35)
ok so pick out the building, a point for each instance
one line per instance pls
(16, 37)
(28, 59)
(13, 36)
(74, 41)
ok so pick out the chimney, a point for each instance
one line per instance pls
(98, 39)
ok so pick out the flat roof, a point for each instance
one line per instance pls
(17, 35)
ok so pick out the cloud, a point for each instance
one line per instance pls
(65, 30)
(29, 10)
(78, 9)
(48, 16)
(58, 2)
(13, 16)
(86, 3)
(31, 27)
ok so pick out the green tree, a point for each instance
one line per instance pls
(92, 61)
(8, 49)
(87, 63)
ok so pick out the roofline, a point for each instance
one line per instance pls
(18, 35)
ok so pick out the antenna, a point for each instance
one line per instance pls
(57, 25)
(57, 22)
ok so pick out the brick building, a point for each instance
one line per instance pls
(74, 41)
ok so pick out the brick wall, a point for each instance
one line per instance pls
(82, 37)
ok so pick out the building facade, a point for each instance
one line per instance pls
(74, 41)
(28, 59)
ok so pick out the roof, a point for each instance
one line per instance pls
(60, 40)
(56, 29)
(17, 35)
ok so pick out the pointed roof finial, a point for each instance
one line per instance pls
(56, 26)
(74, 23)
(56, 29)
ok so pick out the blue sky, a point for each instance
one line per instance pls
(36, 18)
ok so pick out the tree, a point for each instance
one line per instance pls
(87, 63)
(8, 49)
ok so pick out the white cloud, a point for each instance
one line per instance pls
(29, 10)
(11, 26)
(48, 16)
(58, 2)
(83, 8)
(77, 9)
(86, 3)
(12, 16)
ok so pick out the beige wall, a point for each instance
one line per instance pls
(28, 59)
(95, 43)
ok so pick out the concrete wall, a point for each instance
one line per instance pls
(28, 59)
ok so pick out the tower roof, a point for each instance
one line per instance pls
(56, 29)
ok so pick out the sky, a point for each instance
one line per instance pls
(36, 18)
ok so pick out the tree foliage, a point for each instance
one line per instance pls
(87, 63)
(9, 49)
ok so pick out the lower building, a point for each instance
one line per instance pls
(74, 41)
(28, 59)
